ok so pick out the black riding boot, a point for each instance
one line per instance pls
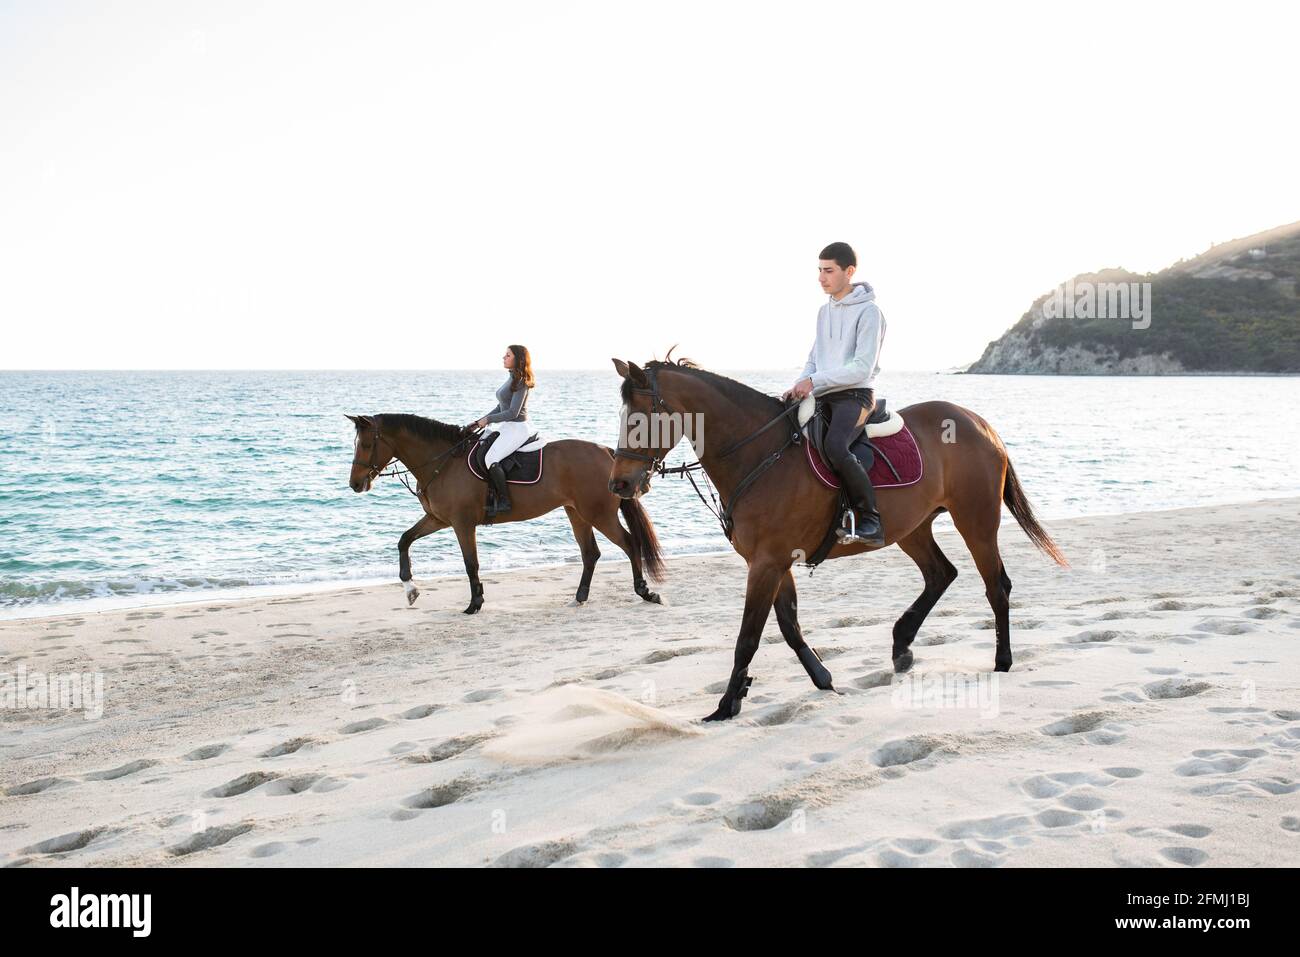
(863, 499)
(497, 476)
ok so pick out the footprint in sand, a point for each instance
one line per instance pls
(120, 772)
(781, 714)
(1187, 856)
(760, 814)
(65, 843)
(537, 855)
(272, 848)
(298, 783)
(929, 641)
(440, 795)
(291, 746)
(241, 785)
(1274, 787)
(420, 711)
(1002, 826)
(700, 798)
(37, 786)
(1095, 726)
(905, 751)
(1224, 626)
(1208, 761)
(876, 679)
(1174, 604)
(450, 748)
(668, 654)
(1099, 636)
(357, 727)
(212, 837)
(1263, 613)
(1174, 688)
(207, 751)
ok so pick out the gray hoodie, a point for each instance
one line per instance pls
(846, 352)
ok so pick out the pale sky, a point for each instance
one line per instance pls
(414, 185)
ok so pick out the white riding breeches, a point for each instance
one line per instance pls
(510, 435)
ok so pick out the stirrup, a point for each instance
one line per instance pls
(847, 533)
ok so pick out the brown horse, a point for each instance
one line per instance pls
(781, 512)
(574, 477)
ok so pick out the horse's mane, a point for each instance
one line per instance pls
(423, 428)
(732, 389)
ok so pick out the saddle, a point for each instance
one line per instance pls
(815, 418)
(522, 467)
(886, 448)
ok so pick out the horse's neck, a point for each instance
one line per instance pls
(725, 423)
(417, 454)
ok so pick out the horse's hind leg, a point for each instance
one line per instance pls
(787, 616)
(938, 572)
(609, 525)
(979, 529)
(423, 527)
(590, 552)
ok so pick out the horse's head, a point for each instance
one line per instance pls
(637, 456)
(371, 452)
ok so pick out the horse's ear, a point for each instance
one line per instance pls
(636, 373)
(621, 366)
(351, 418)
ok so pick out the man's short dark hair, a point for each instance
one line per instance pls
(842, 253)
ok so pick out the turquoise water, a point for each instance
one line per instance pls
(123, 487)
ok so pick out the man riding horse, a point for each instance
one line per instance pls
(841, 370)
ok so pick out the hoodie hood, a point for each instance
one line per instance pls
(859, 293)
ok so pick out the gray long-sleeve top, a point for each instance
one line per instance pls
(511, 406)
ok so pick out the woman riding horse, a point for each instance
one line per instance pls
(509, 420)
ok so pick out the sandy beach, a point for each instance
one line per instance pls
(1152, 717)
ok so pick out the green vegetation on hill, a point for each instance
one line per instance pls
(1228, 310)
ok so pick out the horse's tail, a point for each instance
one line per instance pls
(645, 542)
(1014, 495)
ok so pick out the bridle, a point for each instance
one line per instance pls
(723, 514)
(656, 404)
(374, 471)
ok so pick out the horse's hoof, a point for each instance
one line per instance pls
(725, 712)
(580, 598)
(821, 678)
(1002, 666)
(472, 609)
(411, 595)
(652, 597)
(903, 662)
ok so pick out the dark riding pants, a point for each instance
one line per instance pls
(850, 409)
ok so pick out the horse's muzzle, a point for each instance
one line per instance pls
(625, 488)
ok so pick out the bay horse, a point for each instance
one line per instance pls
(574, 477)
(779, 511)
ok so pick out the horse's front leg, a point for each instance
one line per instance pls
(425, 526)
(468, 539)
(760, 592)
(787, 616)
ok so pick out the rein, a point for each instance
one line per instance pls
(723, 515)
(374, 471)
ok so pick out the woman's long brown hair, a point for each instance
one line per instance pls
(523, 370)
